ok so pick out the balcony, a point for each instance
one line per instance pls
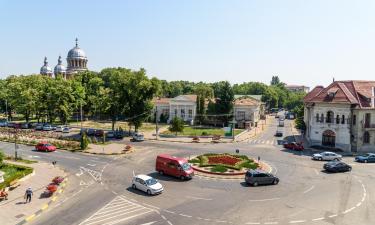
(369, 126)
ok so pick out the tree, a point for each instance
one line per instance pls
(224, 101)
(299, 122)
(275, 80)
(203, 92)
(177, 125)
(84, 141)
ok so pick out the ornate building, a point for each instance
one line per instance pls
(76, 60)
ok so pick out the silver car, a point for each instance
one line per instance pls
(327, 156)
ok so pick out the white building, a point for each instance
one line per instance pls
(297, 88)
(183, 106)
(248, 110)
(340, 115)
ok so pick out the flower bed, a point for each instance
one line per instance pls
(216, 162)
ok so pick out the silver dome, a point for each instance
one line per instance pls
(45, 69)
(59, 68)
(76, 52)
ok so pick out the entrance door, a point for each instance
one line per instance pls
(329, 138)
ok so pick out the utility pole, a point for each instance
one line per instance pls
(156, 123)
(233, 124)
(81, 113)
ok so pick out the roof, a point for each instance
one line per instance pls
(246, 101)
(345, 92)
(166, 156)
(158, 100)
(295, 86)
(257, 97)
(143, 177)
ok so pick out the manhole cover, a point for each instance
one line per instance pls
(20, 216)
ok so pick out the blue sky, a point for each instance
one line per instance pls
(303, 42)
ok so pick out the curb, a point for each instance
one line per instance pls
(46, 205)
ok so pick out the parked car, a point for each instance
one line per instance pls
(47, 127)
(138, 137)
(91, 132)
(174, 166)
(17, 125)
(66, 130)
(147, 184)
(110, 134)
(99, 133)
(59, 128)
(26, 125)
(369, 157)
(256, 177)
(293, 146)
(11, 125)
(39, 126)
(336, 166)
(3, 124)
(327, 156)
(45, 147)
(83, 130)
(279, 133)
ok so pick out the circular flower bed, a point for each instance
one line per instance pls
(223, 163)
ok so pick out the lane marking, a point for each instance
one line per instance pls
(251, 223)
(271, 222)
(297, 221)
(348, 210)
(151, 206)
(168, 211)
(184, 215)
(263, 200)
(198, 198)
(308, 190)
(169, 222)
(331, 216)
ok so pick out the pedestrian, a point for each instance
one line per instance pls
(28, 194)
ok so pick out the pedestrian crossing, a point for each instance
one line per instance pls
(116, 211)
(263, 142)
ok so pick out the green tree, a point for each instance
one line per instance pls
(299, 122)
(204, 92)
(224, 101)
(275, 80)
(84, 141)
(177, 125)
(2, 157)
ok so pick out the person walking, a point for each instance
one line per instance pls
(28, 194)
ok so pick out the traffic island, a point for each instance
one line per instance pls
(225, 165)
(110, 149)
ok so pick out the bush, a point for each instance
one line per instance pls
(250, 165)
(204, 133)
(2, 157)
(195, 160)
(219, 169)
(84, 141)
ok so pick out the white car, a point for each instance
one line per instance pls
(327, 156)
(147, 184)
(47, 127)
(66, 130)
(138, 137)
(59, 128)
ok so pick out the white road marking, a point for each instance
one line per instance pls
(169, 222)
(331, 216)
(114, 192)
(348, 210)
(263, 200)
(308, 190)
(149, 223)
(184, 215)
(198, 198)
(297, 221)
(163, 217)
(168, 211)
(91, 164)
(316, 171)
(151, 206)
(252, 223)
(271, 222)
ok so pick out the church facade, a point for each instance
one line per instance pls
(76, 62)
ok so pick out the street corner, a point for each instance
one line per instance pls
(110, 149)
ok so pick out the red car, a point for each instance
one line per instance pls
(294, 146)
(45, 147)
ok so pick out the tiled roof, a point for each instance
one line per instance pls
(246, 101)
(191, 97)
(348, 92)
(257, 97)
(158, 100)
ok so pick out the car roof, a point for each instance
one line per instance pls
(143, 177)
(256, 171)
(166, 156)
(329, 152)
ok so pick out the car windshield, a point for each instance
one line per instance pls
(47, 145)
(185, 166)
(151, 181)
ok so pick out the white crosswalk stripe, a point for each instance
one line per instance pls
(264, 142)
(116, 211)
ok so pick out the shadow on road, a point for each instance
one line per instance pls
(164, 177)
(138, 192)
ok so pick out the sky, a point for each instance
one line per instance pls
(302, 42)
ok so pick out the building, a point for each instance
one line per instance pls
(342, 116)
(297, 88)
(183, 106)
(248, 110)
(76, 61)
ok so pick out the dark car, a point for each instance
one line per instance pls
(369, 157)
(256, 177)
(91, 132)
(99, 133)
(336, 166)
(279, 133)
(293, 146)
(26, 125)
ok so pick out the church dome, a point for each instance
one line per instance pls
(76, 52)
(59, 68)
(45, 69)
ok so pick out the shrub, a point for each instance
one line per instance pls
(84, 141)
(219, 169)
(204, 133)
(250, 165)
(195, 160)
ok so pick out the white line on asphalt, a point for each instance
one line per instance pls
(114, 211)
(169, 222)
(263, 200)
(198, 198)
(348, 210)
(163, 217)
(331, 216)
(149, 223)
(271, 222)
(184, 215)
(312, 187)
(221, 221)
(251, 223)
(151, 206)
(91, 164)
(297, 221)
(114, 192)
(318, 219)
(168, 211)
(127, 218)
(117, 215)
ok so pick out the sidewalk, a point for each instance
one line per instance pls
(14, 210)
(254, 132)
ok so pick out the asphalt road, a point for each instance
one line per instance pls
(99, 189)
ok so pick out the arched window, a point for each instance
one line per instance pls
(322, 118)
(329, 118)
(366, 137)
(354, 119)
(317, 117)
(343, 119)
(337, 119)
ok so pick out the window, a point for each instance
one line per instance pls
(240, 115)
(190, 113)
(343, 119)
(337, 119)
(317, 117)
(367, 120)
(366, 137)
(322, 118)
(354, 119)
(175, 112)
(183, 113)
(329, 118)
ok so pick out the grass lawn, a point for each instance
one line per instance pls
(13, 172)
(19, 159)
(124, 125)
(197, 131)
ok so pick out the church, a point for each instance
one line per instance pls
(76, 62)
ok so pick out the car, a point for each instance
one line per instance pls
(91, 132)
(99, 133)
(327, 156)
(369, 157)
(66, 130)
(3, 124)
(59, 128)
(11, 125)
(147, 184)
(26, 125)
(174, 166)
(256, 177)
(39, 126)
(47, 127)
(110, 134)
(336, 166)
(45, 147)
(279, 133)
(293, 146)
(138, 137)
(83, 130)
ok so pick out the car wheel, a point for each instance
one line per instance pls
(182, 178)
(365, 161)
(134, 187)
(335, 159)
(148, 192)
(275, 182)
(349, 169)
(320, 158)
(255, 184)
(161, 172)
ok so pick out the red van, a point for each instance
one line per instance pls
(174, 166)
